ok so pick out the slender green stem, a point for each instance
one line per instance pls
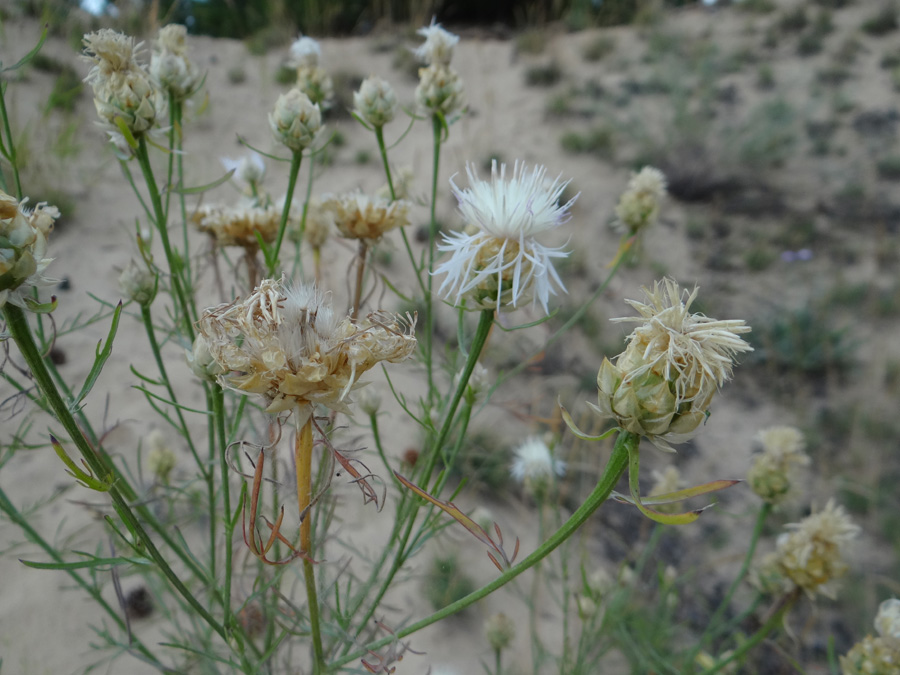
(715, 621)
(298, 261)
(272, 258)
(360, 277)
(175, 266)
(409, 515)
(17, 518)
(9, 142)
(615, 468)
(777, 617)
(17, 324)
(428, 345)
(182, 203)
(218, 401)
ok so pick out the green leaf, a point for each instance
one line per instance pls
(567, 418)
(85, 564)
(84, 478)
(634, 467)
(203, 188)
(30, 55)
(102, 356)
(126, 132)
(680, 495)
(41, 308)
(243, 142)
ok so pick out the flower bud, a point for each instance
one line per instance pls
(317, 84)
(295, 121)
(375, 101)
(201, 362)
(169, 64)
(770, 475)
(499, 631)
(638, 207)
(440, 90)
(23, 246)
(138, 283)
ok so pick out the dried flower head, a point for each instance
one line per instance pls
(286, 344)
(500, 631)
(437, 50)
(497, 262)
(170, 65)
(375, 101)
(296, 120)
(249, 169)
(23, 249)
(638, 206)
(305, 53)
(535, 467)
(771, 474)
(662, 384)
(811, 554)
(138, 283)
(238, 225)
(440, 90)
(122, 88)
(358, 216)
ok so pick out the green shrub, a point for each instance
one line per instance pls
(532, 41)
(883, 22)
(545, 75)
(889, 167)
(446, 582)
(793, 21)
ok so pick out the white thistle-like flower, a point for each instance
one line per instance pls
(496, 261)
(376, 101)
(662, 384)
(811, 554)
(359, 216)
(23, 249)
(638, 207)
(250, 168)
(305, 52)
(286, 344)
(535, 466)
(438, 46)
(296, 120)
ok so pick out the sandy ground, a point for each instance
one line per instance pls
(46, 626)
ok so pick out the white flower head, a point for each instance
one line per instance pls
(170, 65)
(296, 120)
(23, 249)
(535, 466)
(250, 168)
(887, 622)
(438, 46)
(497, 261)
(305, 52)
(376, 101)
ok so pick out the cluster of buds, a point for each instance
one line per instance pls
(881, 654)
(440, 89)
(811, 554)
(358, 216)
(375, 102)
(638, 207)
(312, 79)
(23, 247)
(770, 475)
(286, 344)
(662, 385)
(123, 90)
(295, 121)
(170, 65)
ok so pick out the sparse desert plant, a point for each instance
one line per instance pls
(889, 167)
(599, 48)
(881, 23)
(545, 75)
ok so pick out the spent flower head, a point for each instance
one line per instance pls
(170, 65)
(376, 101)
(238, 225)
(23, 249)
(359, 216)
(295, 121)
(497, 261)
(771, 474)
(811, 554)
(437, 50)
(285, 343)
(123, 90)
(661, 386)
(638, 206)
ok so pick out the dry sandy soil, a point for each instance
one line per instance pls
(790, 195)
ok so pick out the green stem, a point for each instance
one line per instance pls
(18, 519)
(272, 259)
(218, 401)
(182, 204)
(175, 266)
(9, 141)
(777, 617)
(615, 468)
(481, 333)
(432, 225)
(17, 324)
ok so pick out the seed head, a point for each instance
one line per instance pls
(295, 121)
(662, 384)
(238, 225)
(375, 101)
(358, 216)
(23, 247)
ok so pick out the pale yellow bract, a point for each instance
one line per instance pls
(237, 226)
(285, 343)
